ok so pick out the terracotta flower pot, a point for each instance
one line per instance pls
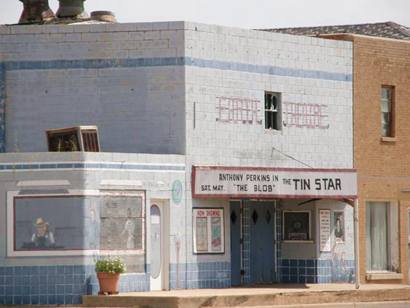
(108, 283)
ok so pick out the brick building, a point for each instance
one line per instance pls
(381, 80)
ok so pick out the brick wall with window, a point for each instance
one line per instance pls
(382, 152)
(382, 156)
(387, 112)
(273, 111)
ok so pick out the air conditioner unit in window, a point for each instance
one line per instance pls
(73, 139)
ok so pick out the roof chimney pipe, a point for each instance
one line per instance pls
(71, 9)
(36, 11)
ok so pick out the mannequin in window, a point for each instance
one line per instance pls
(43, 237)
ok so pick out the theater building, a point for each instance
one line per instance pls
(226, 158)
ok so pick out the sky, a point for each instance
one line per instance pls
(241, 13)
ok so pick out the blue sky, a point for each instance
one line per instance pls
(241, 13)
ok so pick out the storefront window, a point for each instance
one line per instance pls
(296, 226)
(382, 236)
(408, 225)
(376, 236)
(60, 225)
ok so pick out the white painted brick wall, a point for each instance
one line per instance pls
(137, 109)
(213, 142)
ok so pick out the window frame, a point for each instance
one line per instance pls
(392, 121)
(389, 244)
(408, 226)
(209, 250)
(310, 238)
(13, 195)
(277, 111)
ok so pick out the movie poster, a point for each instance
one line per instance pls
(339, 226)
(216, 227)
(201, 234)
(208, 230)
(296, 226)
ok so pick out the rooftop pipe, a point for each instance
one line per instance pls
(71, 9)
(36, 11)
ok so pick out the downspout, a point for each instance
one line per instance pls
(356, 242)
(356, 202)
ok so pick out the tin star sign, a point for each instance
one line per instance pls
(235, 182)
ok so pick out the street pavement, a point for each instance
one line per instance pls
(344, 305)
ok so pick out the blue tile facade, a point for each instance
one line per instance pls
(65, 284)
(278, 243)
(200, 275)
(331, 270)
(61, 284)
(246, 220)
(316, 271)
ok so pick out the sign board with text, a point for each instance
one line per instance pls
(208, 227)
(291, 183)
(324, 230)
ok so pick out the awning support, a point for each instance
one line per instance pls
(356, 242)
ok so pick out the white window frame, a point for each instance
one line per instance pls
(408, 226)
(209, 230)
(389, 101)
(12, 195)
(277, 113)
(310, 239)
(391, 253)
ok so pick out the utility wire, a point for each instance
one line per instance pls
(291, 157)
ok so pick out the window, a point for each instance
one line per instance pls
(208, 230)
(273, 111)
(387, 95)
(408, 226)
(382, 243)
(78, 224)
(296, 226)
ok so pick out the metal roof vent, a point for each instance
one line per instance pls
(71, 9)
(105, 16)
(36, 11)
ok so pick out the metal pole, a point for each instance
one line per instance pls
(356, 242)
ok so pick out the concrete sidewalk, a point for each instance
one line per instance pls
(265, 296)
(405, 304)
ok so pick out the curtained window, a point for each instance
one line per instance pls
(382, 236)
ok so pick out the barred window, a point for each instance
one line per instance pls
(273, 111)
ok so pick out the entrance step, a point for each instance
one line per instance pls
(255, 297)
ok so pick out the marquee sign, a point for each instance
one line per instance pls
(291, 183)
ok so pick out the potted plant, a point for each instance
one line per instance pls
(108, 273)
